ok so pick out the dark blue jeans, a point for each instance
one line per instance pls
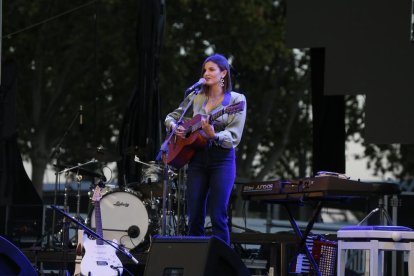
(211, 173)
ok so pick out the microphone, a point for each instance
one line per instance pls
(196, 85)
(81, 116)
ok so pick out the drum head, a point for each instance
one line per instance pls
(124, 218)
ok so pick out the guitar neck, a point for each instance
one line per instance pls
(197, 125)
(217, 114)
(98, 222)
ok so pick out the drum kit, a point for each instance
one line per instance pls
(133, 214)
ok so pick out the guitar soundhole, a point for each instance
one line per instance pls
(100, 263)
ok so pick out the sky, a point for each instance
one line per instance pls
(357, 169)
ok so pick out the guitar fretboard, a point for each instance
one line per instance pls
(98, 222)
(237, 107)
(217, 114)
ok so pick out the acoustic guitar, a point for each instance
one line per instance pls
(180, 150)
(100, 259)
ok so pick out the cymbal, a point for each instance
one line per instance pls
(102, 154)
(80, 171)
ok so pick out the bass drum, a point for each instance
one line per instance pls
(124, 218)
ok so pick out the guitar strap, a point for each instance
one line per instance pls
(185, 106)
(185, 103)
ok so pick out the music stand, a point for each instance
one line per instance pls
(94, 234)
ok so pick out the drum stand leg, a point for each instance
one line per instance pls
(166, 196)
(78, 196)
(170, 215)
(178, 193)
(65, 232)
(181, 211)
(172, 222)
(164, 206)
(169, 223)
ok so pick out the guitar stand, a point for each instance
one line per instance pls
(95, 235)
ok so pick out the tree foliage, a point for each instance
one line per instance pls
(274, 78)
(66, 59)
(387, 161)
(87, 56)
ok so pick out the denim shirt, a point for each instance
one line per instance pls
(228, 127)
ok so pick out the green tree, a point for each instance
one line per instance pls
(274, 78)
(87, 56)
(78, 54)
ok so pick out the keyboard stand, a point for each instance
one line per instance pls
(304, 235)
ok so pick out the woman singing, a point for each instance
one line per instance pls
(212, 170)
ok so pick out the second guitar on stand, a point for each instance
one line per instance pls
(100, 258)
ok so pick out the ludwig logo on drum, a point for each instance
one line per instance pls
(118, 203)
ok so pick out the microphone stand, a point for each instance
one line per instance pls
(163, 154)
(57, 152)
(95, 235)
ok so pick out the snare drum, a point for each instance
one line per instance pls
(124, 218)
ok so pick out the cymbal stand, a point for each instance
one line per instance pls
(163, 154)
(78, 196)
(50, 241)
(65, 227)
(65, 234)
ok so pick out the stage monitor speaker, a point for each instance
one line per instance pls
(13, 261)
(188, 256)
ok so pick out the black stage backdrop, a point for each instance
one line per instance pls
(20, 205)
(141, 131)
(367, 50)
